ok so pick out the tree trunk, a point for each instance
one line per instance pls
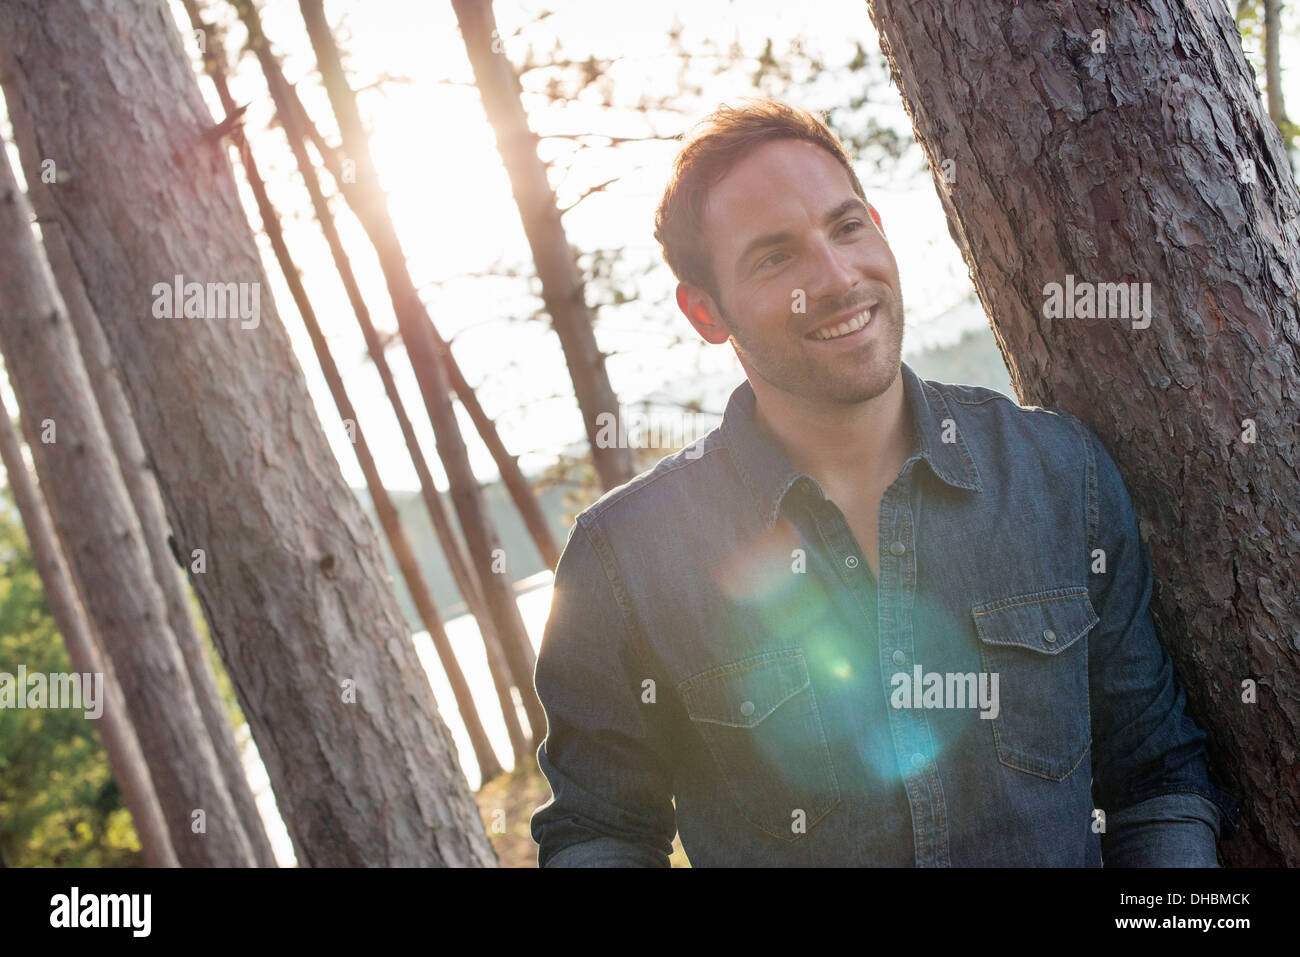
(292, 581)
(102, 533)
(421, 348)
(140, 484)
(1273, 62)
(562, 286)
(115, 731)
(293, 121)
(521, 492)
(1149, 161)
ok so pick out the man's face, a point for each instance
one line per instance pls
(796, 254)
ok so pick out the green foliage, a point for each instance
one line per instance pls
(59, 804)
(225, 687)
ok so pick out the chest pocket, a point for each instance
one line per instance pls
(1035, 644)
(760, 721)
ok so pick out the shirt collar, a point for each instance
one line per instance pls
(768, 474)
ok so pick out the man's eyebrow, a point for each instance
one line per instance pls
(771, 239)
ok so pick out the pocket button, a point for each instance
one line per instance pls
(1036, 643)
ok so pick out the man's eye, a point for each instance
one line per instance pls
(852, 222)
(768, 260)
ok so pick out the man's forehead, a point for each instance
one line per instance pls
(778, 181)
(779, 170)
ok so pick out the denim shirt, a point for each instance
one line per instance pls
(721, 662)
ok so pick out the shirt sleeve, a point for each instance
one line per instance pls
(605, 754)
(1144, 745)
(1170, 830)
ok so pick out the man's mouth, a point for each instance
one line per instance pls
(845, 328)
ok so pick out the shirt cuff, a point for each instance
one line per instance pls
(1169, 830)
(607, 852)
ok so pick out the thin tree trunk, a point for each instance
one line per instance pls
(421, 347)
(102, 532)
(563, 289)
(293, 123)
(293, 583)
(120, 743)
(1139, 163)
(1273, 62)
(142, 487)
(521, 491)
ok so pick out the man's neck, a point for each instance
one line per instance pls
(842, 446)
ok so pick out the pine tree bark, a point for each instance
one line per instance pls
(294, 586)
(1150, 160)
(563, 289)
(106, 547)
(115, 731)
(293, 119)
(140, 482)
(417, 334)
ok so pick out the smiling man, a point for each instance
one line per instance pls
(733, 631)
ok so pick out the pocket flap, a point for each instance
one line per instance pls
(743, 693)
(1045, 621)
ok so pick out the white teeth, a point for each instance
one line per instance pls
(844, 328)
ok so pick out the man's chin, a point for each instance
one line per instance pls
(873, 383)
(823, 385)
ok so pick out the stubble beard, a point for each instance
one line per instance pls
(873, 372)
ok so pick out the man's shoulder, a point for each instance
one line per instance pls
(999, 419)
(660, 493)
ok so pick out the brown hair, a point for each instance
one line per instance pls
(710, 149)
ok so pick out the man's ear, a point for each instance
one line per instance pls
(876, 217)
(698, 306)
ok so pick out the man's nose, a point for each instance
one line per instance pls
(832, 273)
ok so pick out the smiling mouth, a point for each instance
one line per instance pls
(845, 328)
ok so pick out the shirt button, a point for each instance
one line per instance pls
(1049, 635)
(918, 760)
(851, 561)
(897, 548)
(747, 708)
(899, 657)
